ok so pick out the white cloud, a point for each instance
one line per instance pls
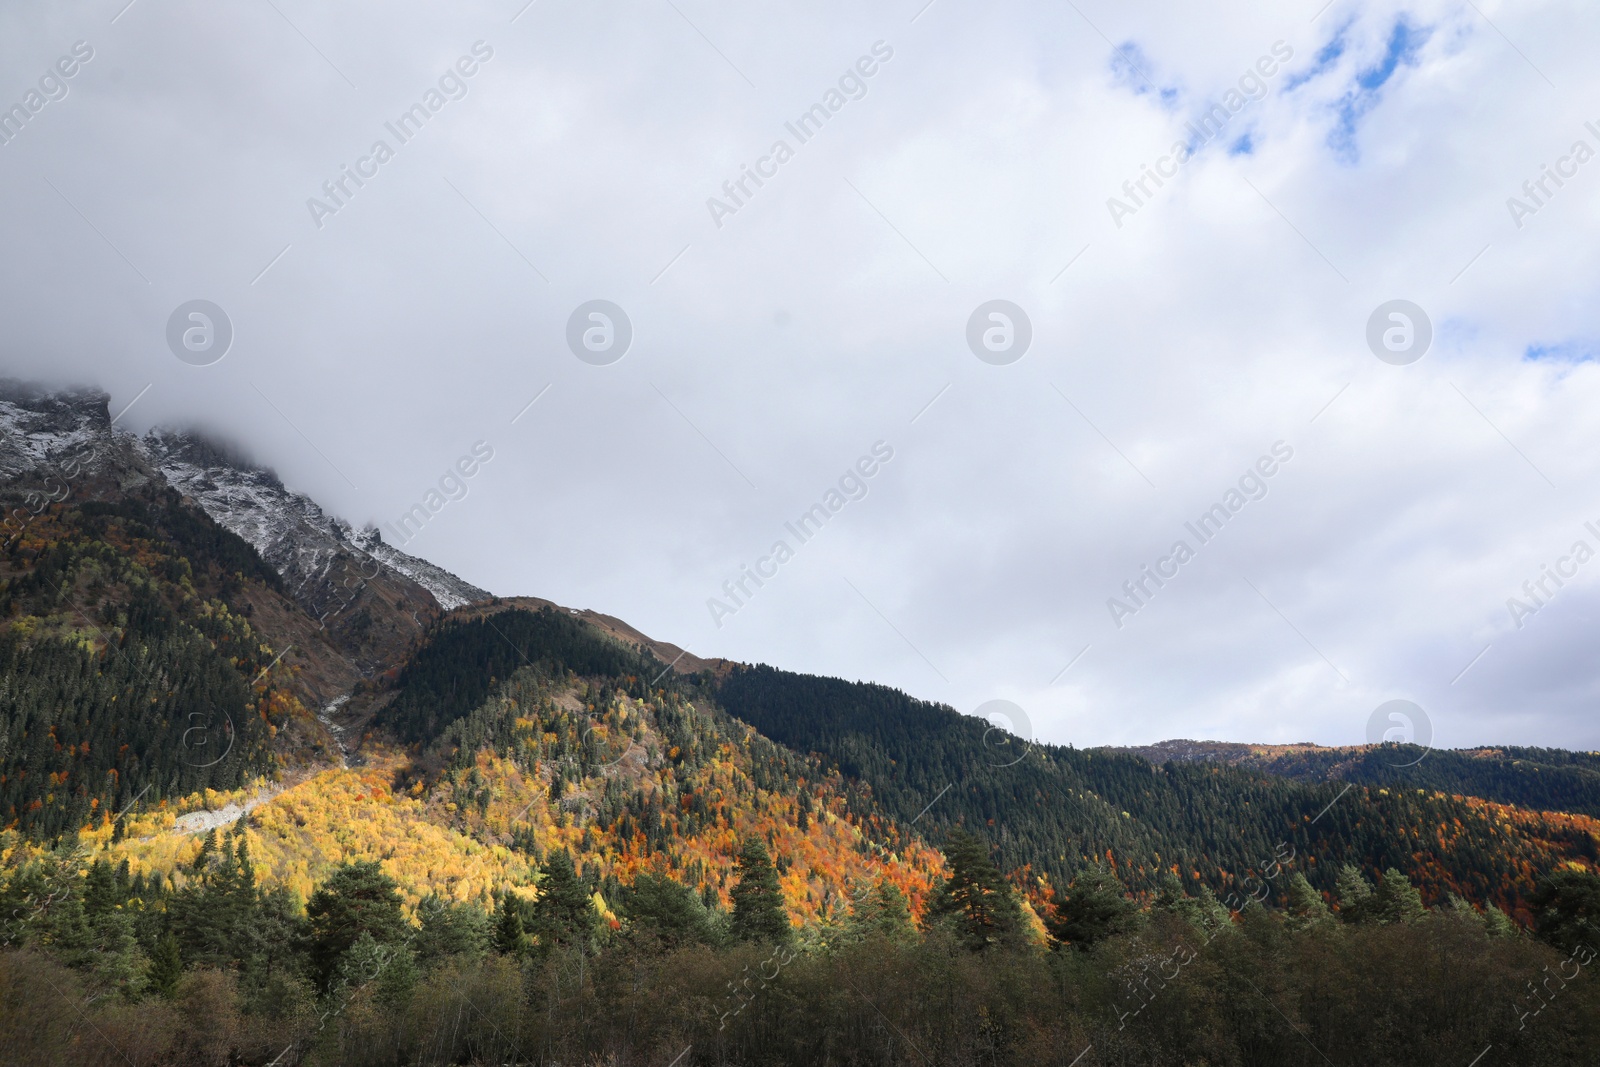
(1217, 320)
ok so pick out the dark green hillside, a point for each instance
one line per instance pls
(464, 661)
(1059, 809)
(1544, 779)
(124, 672)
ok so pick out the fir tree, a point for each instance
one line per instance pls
(509, 937)
(563, 914)
(358, 898)
(1354, 894)
(976, 901)
(1093, 908)
(758, 912)
(1396, 899)
(882, 911)
(1307, 909)
(166, 966)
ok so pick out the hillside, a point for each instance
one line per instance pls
(1543, 779)
(1211, 823)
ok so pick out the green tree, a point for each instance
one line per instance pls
(563, 915)
(975, 901)
(882, 911)
(758, 912)
(449, 929)
(1307, 909)
(1093, 908)
(510, 939)
(1354, 894)
(665, 910)
(1396, 899)
(358, 898)
(166, 966)
(1566, 909)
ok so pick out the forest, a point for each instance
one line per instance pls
(1054, 809)
(108, 968)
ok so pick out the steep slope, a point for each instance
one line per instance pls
(1058, 809)
(374, 598)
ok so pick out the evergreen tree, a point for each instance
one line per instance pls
(758, 912)
(450, 929)
(1307, 909)
(1566, 909)
(563, 914)
(166, 966)
(882, 911)
(665, 910)
(1396, 899)
(1093, 908)
(357, 898)
(509, 937)
(976, 901)
(1354, 894)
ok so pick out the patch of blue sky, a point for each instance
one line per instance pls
(1323, 61)
(1577, 350)
(1132, 69)
(1404, 45)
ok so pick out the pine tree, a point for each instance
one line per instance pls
(563, 914)
(882, 912)
(1566, 907)
(1397, 900)
(1093, 908)
(758, 912)
(357, 898)
(1307, 909)
(976, 901)
(509, 938)
(166, 966)
(1354, 894)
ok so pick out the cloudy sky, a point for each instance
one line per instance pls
(1356, 154)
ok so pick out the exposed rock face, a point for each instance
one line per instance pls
(369, 600)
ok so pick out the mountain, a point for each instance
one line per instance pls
(165, 598)
(1542, 779)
